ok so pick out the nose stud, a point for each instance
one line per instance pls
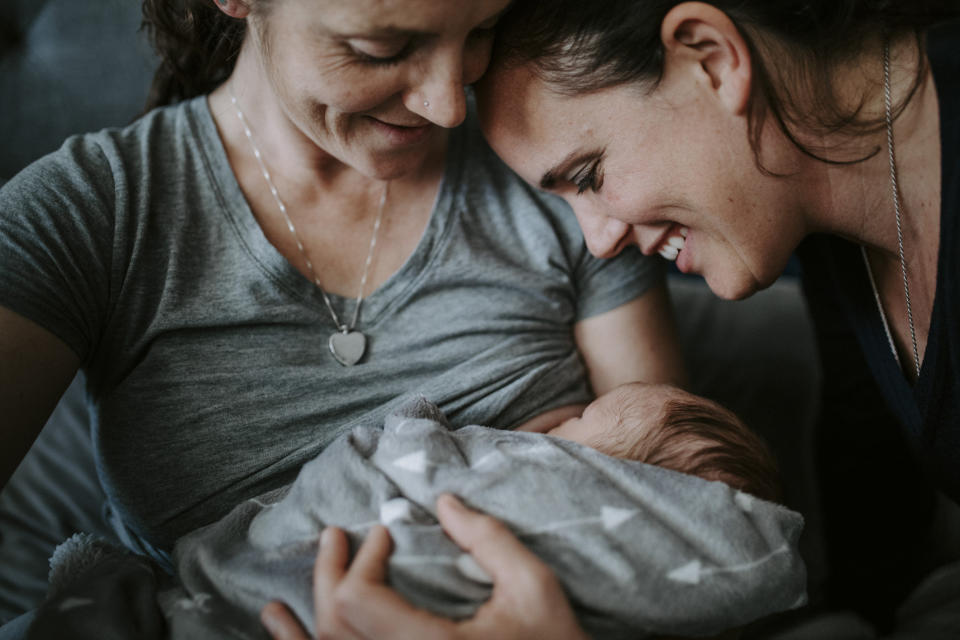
(426, 103)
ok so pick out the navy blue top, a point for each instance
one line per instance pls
(836, 277)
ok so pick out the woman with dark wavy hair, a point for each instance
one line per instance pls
(720, 135)
(305, 228)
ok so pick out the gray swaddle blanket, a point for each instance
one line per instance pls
(638, 549)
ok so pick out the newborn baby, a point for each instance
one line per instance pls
(665, 426)
(640, 549)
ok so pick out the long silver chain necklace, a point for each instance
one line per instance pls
(894, 186)
(347, 344)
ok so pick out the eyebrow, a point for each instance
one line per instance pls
(550, 177)
(392, 31)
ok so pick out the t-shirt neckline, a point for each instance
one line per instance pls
(280, 271)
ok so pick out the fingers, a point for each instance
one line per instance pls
(492, 545)
(365, 604)
(527, 600)
(352, 600)
(333, 554)
(370, 565)
(281, 623)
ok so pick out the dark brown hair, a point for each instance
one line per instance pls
(577, 46)
(702, 438)
(197, 44)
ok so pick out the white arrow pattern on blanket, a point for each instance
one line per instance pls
(693, 572)
(610, 518)
(416, 461)
(396, 509)
(493, 456)
(744, 501)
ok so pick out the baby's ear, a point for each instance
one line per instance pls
(702, 40)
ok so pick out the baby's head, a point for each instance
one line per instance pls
(668, 427)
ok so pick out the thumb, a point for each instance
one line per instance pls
(494, 547)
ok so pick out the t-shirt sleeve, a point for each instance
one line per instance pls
(605, 284)
(55, 239)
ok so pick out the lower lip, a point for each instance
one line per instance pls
(401, 136)
(683, 259)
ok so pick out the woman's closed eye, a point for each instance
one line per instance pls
(381, 53)
(590, 176)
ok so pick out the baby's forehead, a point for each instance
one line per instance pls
(637, 392)
(654, 401)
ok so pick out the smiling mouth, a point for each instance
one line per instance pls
(419, 125)
(673, 243)
(402, 135)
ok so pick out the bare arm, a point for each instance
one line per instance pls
(545, 422)
(634, 342)
(35, 369)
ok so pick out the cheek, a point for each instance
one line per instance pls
(475, 60)
(351, 92)
(319, 82)
(634, 199)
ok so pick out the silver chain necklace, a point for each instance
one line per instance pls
(894, 186)
(347, 345)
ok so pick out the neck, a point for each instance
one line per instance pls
(855, 201)
(291, 152)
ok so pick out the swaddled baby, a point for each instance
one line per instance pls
(638, 547)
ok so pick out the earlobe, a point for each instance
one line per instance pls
(233, 8)
(707, 38)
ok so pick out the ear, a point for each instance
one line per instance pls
(705, 37)
(233, 8)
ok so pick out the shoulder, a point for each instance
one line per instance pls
(97, 164)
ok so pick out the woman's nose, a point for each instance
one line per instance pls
(439, 94)
(602, 233)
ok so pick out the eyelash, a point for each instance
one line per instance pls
(589, 177)
(390, 61)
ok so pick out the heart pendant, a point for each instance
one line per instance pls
(348, 347)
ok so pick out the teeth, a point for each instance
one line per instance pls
(674, 245)
(669, 253)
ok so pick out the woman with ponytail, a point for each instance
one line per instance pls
(728, 134)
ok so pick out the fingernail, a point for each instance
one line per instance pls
(325, 536)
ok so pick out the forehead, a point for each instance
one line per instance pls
(533, 127)
(415, 15)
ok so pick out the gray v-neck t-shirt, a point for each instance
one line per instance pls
(206, 350)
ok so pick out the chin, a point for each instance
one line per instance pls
(733, 289)
(389, 166)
